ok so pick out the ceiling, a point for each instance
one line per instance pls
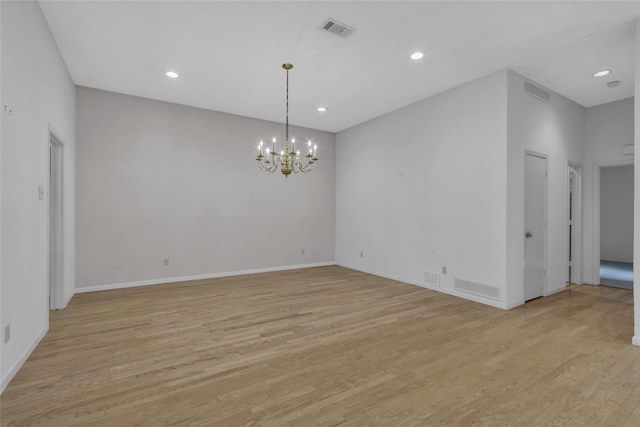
(229, 53)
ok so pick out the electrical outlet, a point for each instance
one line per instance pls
(361, 254)
(166, 261)
(302, 252)
(444, 269)
(7, 333)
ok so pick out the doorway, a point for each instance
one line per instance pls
(535, 219)
(55, 223)
(616, 226)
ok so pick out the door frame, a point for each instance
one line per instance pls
(55, 225)
(597, 167)
(575, 239)
(546, 219)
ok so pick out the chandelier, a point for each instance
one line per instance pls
(287, 160)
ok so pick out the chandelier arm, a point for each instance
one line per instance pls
(271, 168)
(263, 167)
(275, 163)
(306, 167)
(301, 168)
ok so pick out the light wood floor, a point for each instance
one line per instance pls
(329, 346)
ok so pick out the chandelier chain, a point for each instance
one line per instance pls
(286, 140)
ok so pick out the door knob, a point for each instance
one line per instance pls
(528, 234)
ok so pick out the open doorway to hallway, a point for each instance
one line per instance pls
(616, 226)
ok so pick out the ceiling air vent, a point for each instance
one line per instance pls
(536, 92)
(337, 28)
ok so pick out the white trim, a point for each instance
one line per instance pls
(452, 292)
(595, 226)
(68, 299)
(111, 286)
(23, 358)
(635, 340)
(514, 304)
(56, 294)
(576, 244)
(555, 290)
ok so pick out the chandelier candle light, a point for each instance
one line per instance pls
(288, 160)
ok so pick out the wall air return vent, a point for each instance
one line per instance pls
(432, 279)
(478, 289)
(337, 28)
(536, 92)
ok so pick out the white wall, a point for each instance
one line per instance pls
(162, 181)
(2, 334)
(453, 193)
(616, 213)
(555, 129)
(424, 187)
(609, 127)
(636, 233)
(38, 89)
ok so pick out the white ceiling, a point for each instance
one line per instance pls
(229, 53)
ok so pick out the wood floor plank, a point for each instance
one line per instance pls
(329, 346)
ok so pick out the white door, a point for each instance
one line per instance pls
(535, 224)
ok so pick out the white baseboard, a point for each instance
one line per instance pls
(453, 292)
(67, 299)
(197, 277)
(635, 340)
(514, 304)
(23, 358)
(555, 290)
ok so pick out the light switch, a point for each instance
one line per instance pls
(40, 192)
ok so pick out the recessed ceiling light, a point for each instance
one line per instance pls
(417, 55)
(172, 74)
(602, 73)
(614, 83)
(322, 109)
